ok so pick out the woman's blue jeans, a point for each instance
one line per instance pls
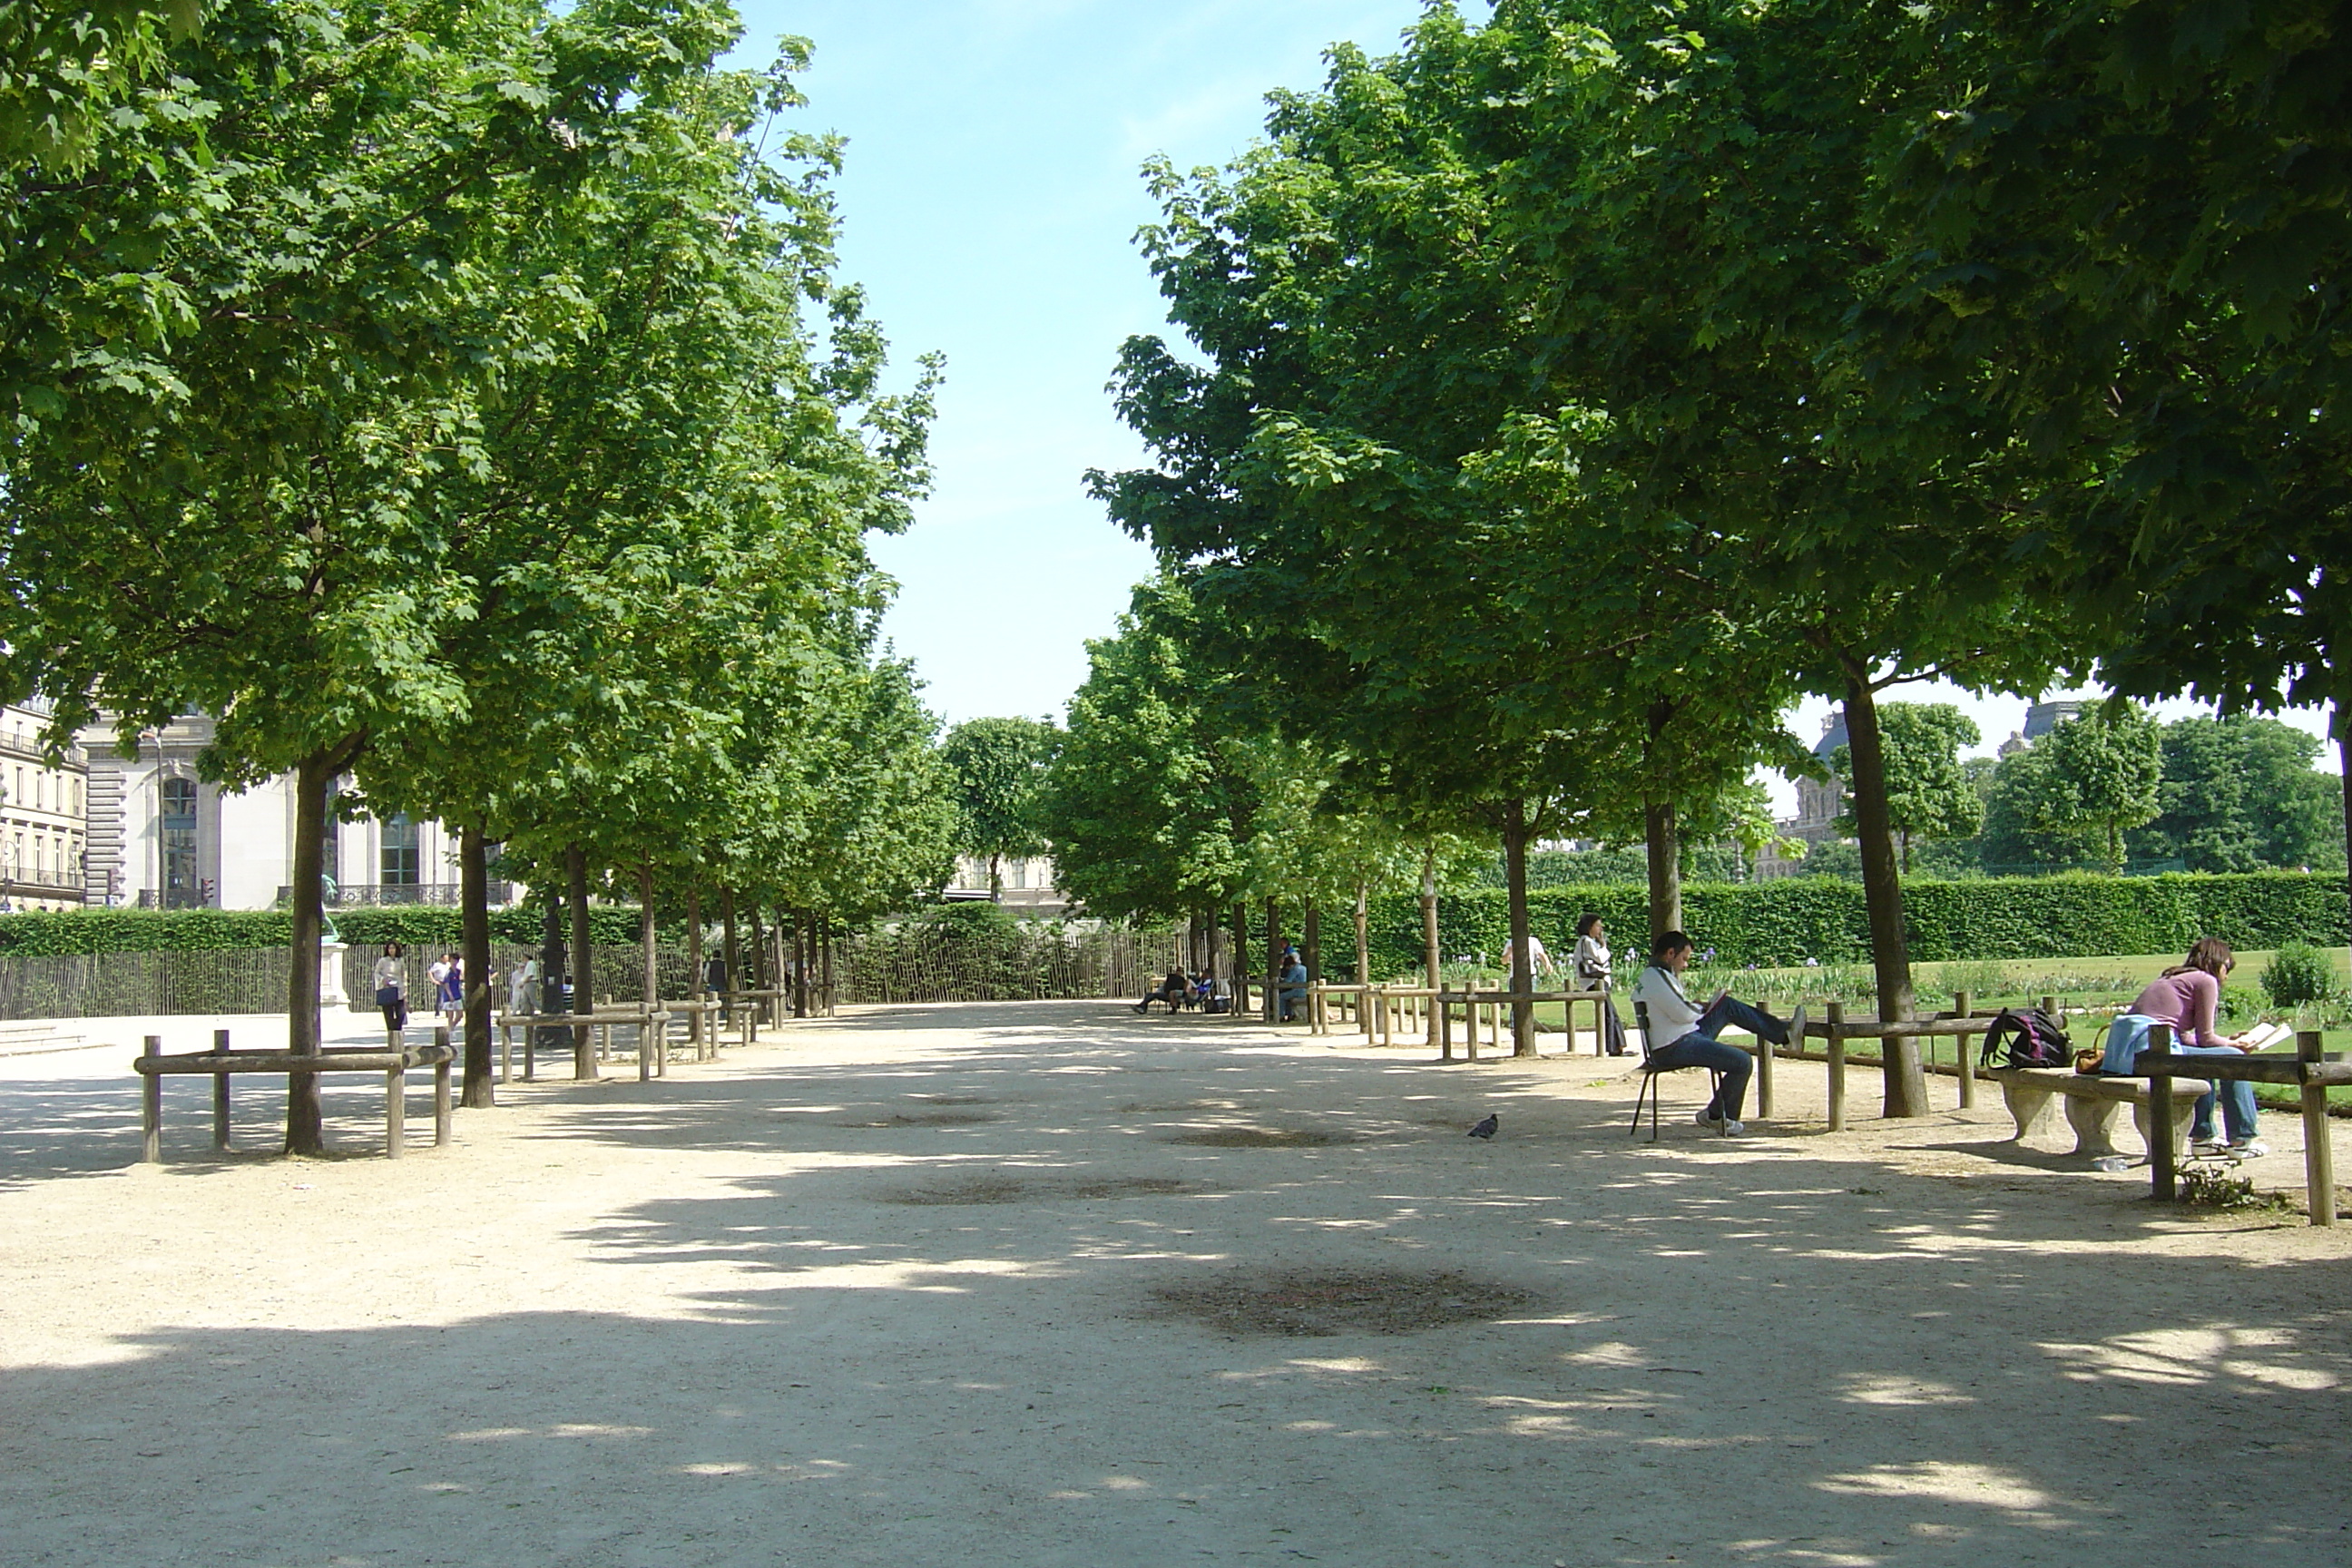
(2237, 1097)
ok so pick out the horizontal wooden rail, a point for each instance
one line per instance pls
(222, 1064)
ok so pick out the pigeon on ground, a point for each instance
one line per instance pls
(1485, 1128)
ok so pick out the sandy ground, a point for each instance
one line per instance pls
(947, 1286)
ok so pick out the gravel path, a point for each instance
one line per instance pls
(1046, 1285)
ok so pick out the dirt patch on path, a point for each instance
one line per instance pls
(1004, 1189)
(1317, 1304)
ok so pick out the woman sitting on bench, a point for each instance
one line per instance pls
(2187, 996)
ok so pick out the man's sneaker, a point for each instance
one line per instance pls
(1797, 1027)
(2249, 1149)
(1728, 1129)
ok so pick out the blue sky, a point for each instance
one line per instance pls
(991, 200)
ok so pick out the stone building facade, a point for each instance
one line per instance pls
(162, 837)
(44, 802)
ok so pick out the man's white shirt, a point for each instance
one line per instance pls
(1672, 1013)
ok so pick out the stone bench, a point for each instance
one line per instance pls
(2092, 1102)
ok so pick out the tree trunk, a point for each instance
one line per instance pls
(694, 988)
(1906, 851)
(824, 947)
(1241, 960)
(801, 951)
(313, 776)
(1523, 974)
(649, 953)
(1431, 956)
(1882, 889)
(1663, 843)
(1273, 961)
(584, 966)
(1314, 941)
(480, 1092)
(995, 879)
(758, 980)
(732, 947)
(1364, 915)
(550, 967)
(2344, 761)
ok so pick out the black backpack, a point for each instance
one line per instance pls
(2031, 1038)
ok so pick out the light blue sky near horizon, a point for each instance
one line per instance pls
(990, 201)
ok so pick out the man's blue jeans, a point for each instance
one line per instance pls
(2237, 1099)
(1702, 1050)
(1755, 1020)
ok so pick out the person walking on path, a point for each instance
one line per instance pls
(1590, 961)
(450, 980)
(392, 987)
(1690, 1031)
(523, 988)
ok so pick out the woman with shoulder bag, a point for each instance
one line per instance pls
(1592, 962)
(391, 989)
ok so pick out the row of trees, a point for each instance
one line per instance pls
(1573, 391)
(2234, 793)
(458, 403)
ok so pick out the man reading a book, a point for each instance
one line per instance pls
(1689, 1031)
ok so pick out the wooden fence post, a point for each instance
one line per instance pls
(441, 1100)
(2159, 1117)
(1763, 1070)
(1962, 1004)
(1444, 1031)
(2318, 1150)
(1836, 1020)
(150, 1107)
(395, 1110)
(220, 1093)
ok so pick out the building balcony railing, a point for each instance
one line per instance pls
(374, 895)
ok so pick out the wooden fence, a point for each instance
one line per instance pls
(921, 962)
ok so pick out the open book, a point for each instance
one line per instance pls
(2263, 1036)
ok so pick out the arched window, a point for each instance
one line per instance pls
(179, 831)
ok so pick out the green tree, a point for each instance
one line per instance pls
(66, 64)
(1928, 794)
(2100, 774)
(999, 766)
(1150, 803)
(2116, 249)
(2021, 800)
(2240, 793)
(230, 511)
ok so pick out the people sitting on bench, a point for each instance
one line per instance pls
(2187, 996)
(1689, 1030)
(1172, 991)
(1293, 990)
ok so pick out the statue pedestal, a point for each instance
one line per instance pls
(330, 974)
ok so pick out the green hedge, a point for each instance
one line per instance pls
(204, 930)
(1785, 922)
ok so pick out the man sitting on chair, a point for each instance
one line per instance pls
(1690, 1031)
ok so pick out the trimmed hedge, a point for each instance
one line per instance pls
(1772, 924)
(51, 933)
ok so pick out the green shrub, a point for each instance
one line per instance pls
(53, 932)
(1786, 922)
(2300, 973)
